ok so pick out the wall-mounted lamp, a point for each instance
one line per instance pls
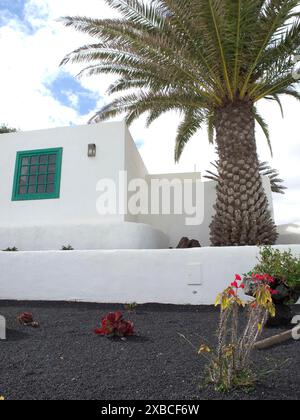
(92, 150)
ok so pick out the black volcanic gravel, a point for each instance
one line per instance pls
(63, 359)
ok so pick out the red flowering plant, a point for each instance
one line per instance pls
(230, 363)
(27, 319)
(283, 274)
(114, 325)
(254, 280)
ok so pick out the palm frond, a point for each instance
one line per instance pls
(134, 105)
(264, 127)
(189, 126)
(277, 184)
(276, 98)
(193, 56)
(290, 92)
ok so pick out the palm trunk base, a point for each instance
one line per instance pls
(242, 214)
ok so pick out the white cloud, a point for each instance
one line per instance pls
(30, 60)
(73, 98)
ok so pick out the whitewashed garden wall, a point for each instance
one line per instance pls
(192, 276)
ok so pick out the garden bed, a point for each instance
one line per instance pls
(64, 359)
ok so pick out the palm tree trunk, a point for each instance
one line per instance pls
(242, 210)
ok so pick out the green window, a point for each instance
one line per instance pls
(37, 174)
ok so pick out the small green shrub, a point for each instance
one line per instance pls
(131, 307)
(279, 264)
(14, 249)
(67, 248)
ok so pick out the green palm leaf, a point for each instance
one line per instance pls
(264, 126)
(172, 51)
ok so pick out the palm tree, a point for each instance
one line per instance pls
(277, 184)
(212, 60)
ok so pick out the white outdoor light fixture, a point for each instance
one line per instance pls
(92, 150)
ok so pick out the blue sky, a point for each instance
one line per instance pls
(15, 7)
(69, 92)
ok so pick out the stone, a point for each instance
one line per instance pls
(188, 243)
(183, 243)
(283, 318)
(194, 244)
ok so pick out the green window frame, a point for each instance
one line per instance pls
(37, 174)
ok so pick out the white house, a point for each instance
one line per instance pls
(48, 192)
(52, 185)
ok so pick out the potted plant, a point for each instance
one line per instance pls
(282, 271)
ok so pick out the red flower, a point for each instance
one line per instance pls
(235, 285)
(125, 328)
(114, 325)
(232, 292)
(269, 278)
(100, 331)
(274, 292)
(263, 277)
(114, 316)
(238, 277)
(242, 286)
(25, 318)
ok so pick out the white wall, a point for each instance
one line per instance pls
(72, 219)
(134, 166)
(47, 224)
(83, 236)
(192, 276)
(79, 172)
(175, 225)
